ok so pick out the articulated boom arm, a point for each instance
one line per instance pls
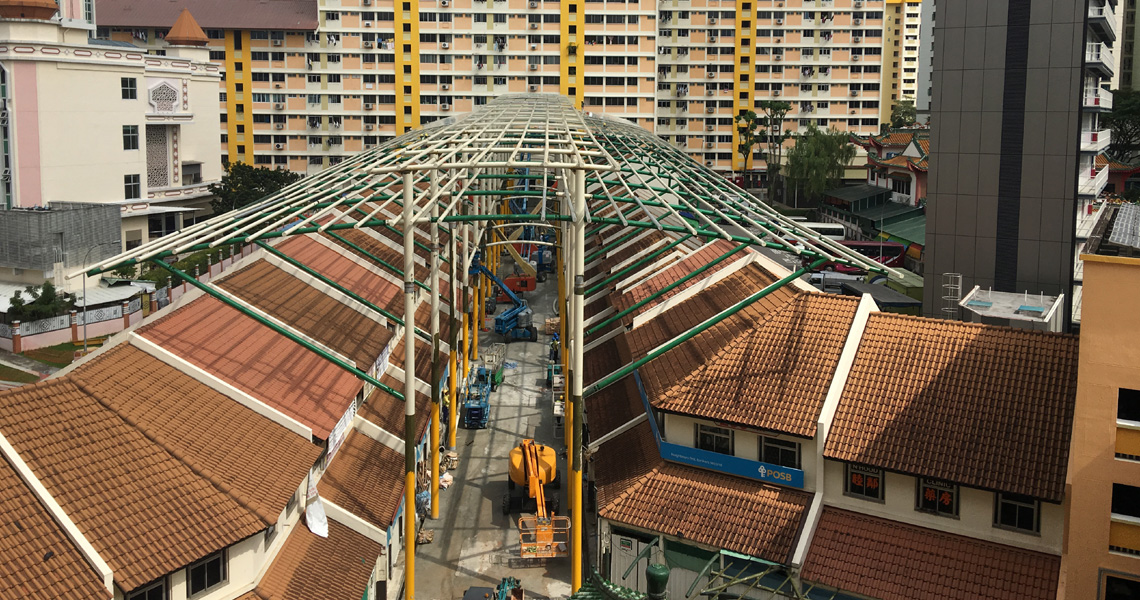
(534, 481)
(477, 267)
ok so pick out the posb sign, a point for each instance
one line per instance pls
(779, 475)
(733, 465)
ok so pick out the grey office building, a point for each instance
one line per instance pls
(1015, 118)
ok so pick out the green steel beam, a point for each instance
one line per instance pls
(275, 327)
(688, 335)
(337, 286)
(630, 268)
(665, 290)
(376, 259)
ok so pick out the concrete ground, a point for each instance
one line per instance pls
(475, 545)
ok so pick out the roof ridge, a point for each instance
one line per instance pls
(203, 472)
(970, 325)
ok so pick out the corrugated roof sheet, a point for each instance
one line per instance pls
(310, 311)
(146, 512)
(37, 559)
(309, 566)
(774, 375)
(211, 14)
(257, 360)
(637, 488)
(366, 478)
(894, 561)
(983, 406)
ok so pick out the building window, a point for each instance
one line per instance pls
(1126, 500)
(1116, 588)
(779, 452)
(130, 88)
(937, 497)
(132, 187)
(714, 439)
(130, 137)
(207, 573)
(1014, 511)
(1128, 405)
(154, 591)
(864, 482)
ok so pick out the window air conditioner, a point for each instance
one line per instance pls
(858, 4)
(856, 40)
(709, 145)
(854, 57)
(277, 86)
(712, 20)
(779, 21)
(279, 106)
(712, 39)
(534, 88)
(444, 3)
(278, 42)
(534, 25)
(279, 126)
(710, 127)
(775, 92)
(857, 21)
(854, 93)
(368, 127)
(709, 163)
(710, 110)
(367, 44)
(368, 107)
(445, 45)
(533, 5)
(369, 23)
(533, 67)
(278, 146)
(710, 92)
(445, 86)
(534, 46)
(445, 107)
(711, 74)
(778, 57)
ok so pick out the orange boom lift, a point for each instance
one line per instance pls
(532, 467)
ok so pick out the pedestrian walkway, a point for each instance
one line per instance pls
(23, 363)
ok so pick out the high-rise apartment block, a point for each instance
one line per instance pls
(311, 81)
(1018, 99)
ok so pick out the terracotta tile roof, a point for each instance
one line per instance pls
(423, 359)
(366, 478)
(983, 406)
(707, 303)
(343, 270)
(601, 360)
(37, 559)
(257, 360)
(637, 488)
(894, 561)
(384, 252)
(896, 138)
(221, 14)
(924, 145)
(309, 566)
(310, 311)
(613, 407)
(259, 461)
(675, 272)
(186, 32)
(631, 250)
(387, 412)
(774, 375)
(146, 512)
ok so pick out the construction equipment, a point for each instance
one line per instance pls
(533, 466)
(493, 359)
(476, 404)
(508, 589)
(514, 323)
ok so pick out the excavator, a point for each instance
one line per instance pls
(533, 466)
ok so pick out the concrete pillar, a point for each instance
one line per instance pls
(74, 327)
(126, 315)
(17, 345)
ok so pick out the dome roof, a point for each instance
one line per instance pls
(185, 31)
(28, 9)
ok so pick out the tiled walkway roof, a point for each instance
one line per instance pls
(342, 270)
(983, 406)
(773, 376)
(310, 567)
(894, 561)
(387, 412)
(366, 478)
(423, 359)
(310, 311)
(613, 407)
(261, 462)
(146, 512)
(257, 360)
(37, 559)
(637, 488)
(671, 274)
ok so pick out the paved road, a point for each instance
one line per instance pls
(475, 545)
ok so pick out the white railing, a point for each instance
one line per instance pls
(1098, 52)
(1094, 141)
(1093, 181)
(1099, 99)
(1102, 12)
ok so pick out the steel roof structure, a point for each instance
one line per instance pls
(452, 185)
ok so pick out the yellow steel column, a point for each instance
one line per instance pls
(409, 394)
(574, 455)
(435, 371)
(453, 355)
(563, 316)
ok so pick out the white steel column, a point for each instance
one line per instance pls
(435, 292)
(577, 537)
(409, 391)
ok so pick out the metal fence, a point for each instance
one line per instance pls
(5, 331)
(45, 325)
(98, 315)
(162, 295)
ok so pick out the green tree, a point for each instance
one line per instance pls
(45, 303)
(903, 114)
(243, 184)
(771, 121)
(817, 160)
(1124, 121)
(749, 133)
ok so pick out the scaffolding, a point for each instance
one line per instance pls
(443, 188)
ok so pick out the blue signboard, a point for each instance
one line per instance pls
(715, 461)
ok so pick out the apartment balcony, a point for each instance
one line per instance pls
(1102, 21)
(1095, 141)
(1092, 181)
(1124, 534)
(1098, 99)
(1099, 57)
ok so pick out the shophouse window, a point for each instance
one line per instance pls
(154, 591)
(864, 482)
(714, 439)
(132, 187)
(1014, 511)
(206, 573)
(779, 452)
(937, 497)
(130, 88)
(130, 137)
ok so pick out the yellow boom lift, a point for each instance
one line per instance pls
(532, 467)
